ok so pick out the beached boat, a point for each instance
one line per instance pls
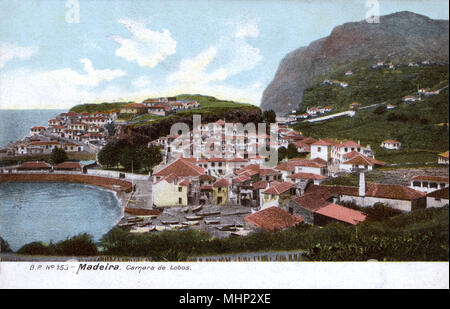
(198, 208)
(193, 218)
(190, 223)
(213, 221)
(211, 213)
(169, 222)
(185, 209)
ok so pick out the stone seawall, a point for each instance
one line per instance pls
(116, 185)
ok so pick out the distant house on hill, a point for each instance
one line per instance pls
(410, 98)
(355, 106)
(36, 130)
(349, 73)
(443, 158)
(134, 108)
(391, 144)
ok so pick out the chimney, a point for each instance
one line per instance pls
(362, 184)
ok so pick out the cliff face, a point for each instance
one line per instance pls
(400, 37)
(146, 133)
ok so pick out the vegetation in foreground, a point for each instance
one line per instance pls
(386, 235)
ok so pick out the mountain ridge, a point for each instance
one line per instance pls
(399, 37)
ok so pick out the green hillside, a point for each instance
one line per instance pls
(414, 124)
(369, 86)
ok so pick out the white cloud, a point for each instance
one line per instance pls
(10, 51)
(62, 88)
(249, 29)
(141, 82)
(228, 57)
(147, 47)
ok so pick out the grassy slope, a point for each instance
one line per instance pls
(413, 124)
(209, 106)
(369, 86)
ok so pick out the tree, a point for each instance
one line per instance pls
(4, 246)
(292, 151)
(282, 153)
(58, 155)
(270, 116)
(149, 157)
(109, 155)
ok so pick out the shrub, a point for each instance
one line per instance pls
(4, 246)
(36, 248)
(80, 245)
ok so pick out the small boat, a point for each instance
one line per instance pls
(212, 221)
(160, 228)
(212, 213)
(169, 222)
(228, 228)
(185, 209)
(193, 218)
(125, 224)
(190, 223)
(177, 226)
(198, 208)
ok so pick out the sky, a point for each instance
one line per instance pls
(55, 54)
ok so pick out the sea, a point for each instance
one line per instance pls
(47, 211)
(52, 212)
(16, 124)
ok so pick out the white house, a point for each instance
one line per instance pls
(391, 144)
(428, 183)
(443, 158)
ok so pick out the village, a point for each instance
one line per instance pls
(221, 178)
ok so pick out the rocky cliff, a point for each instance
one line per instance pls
(400, 37)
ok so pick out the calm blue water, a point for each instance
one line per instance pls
(54, 211)
(16, 124)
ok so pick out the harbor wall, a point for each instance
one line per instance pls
(116, 185)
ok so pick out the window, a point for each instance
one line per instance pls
(180, 200)
(180, 189)
(319, 149)
(416, 184)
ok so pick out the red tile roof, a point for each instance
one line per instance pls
(349, 144)
(241, 178)
(185, 183)
(36, 165)
(43, 143)
(279, 188)
(442, 193)
(135, 105)
(68, 166)
(391, 141)
(207, 188)
(360, 159)
(395, 192)
(221, 183)
(181, 167)
(291, 164)
(430, 178)
(444, 154)
(259, 185)
(314, 200)
(342, 213)
(307, 176)
(273, 219)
